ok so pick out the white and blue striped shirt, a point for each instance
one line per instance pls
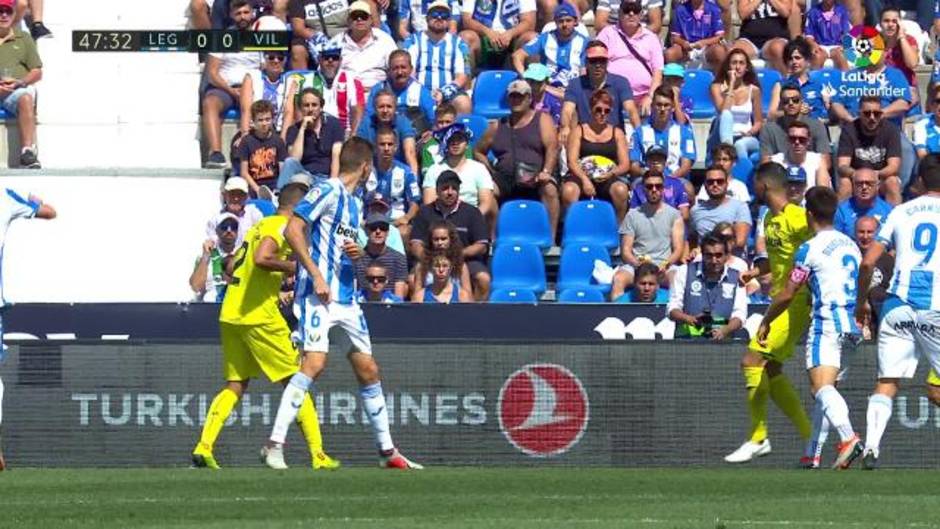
(12, 206)
(437, 63)
(913, 230)
(333, 217)
(416, 12)
(565, 59)
(829, 263)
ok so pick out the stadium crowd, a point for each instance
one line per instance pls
(502, 124)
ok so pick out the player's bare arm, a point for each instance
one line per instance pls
(297, 240)
(865, 271)
(266, 257)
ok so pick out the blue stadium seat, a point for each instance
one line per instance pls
(591, 222)
(524, 222)
(5, 115)
(265, 206)
(581, 295)
(511, 295)
(743, 170)
(768, 78)
(232, 114)
(696, 87)
(576, 269)
(477, 124)
(518, 267)
(489, 93)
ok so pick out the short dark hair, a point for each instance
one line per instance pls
(929, 172)
(663, 91)
(718, 168)
(444, 109)
(383, 93)
(710, 239)
(797, 124)
(291, 194)
(791, 87)
(650, 174)
(645, 269)
(725, 148)
(238, 4)
(384, 128)
(399, 53)
(771, 173)
(822, 202)
(887, 9)
(310, 90)
(355, 152)
(870, 98)
(799, 44)
(261, 106)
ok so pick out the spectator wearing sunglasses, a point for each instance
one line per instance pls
(773, 135)
(365, 49)
(864, 202)
(441, 58)
(414, 16)
(314, 22)
(266, 84)
(798, 154)
(377, 253)
(720, 208)
(208, 279)
(18, 92)
(343, 95)
(635, 53)
(675, 192)
(870, 141)
(562, 50)
(374, 287)
(607, 13)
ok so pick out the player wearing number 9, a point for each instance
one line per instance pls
(910, 316)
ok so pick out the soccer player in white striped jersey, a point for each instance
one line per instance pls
(910, 316)
(828, 262)
(14, 206)
(322, 234)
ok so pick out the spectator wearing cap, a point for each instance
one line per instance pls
(798, 154)
(226, 72)
(385, 113)
(441, 58)
(598, 160)
(773, 135)
(377, 253)
(314, 142)
(796, 184)
(261, 152)
(720, 208)
(365, 49)
(373, 202)
(414, 101)
(476, 184)
(209, 279)
(470, 226)
(343, 95)
(561, 49)
(864, 202)
(494, 28)
(20, 58)
(374, 286)
(313, 23)
(431, 152)
(607, 13)
(526, 149)
(395, 182)
(635, 53)
(544, 99)
(674, 79)
(577, 106)
(235, 198)
(267, 84)
(675, 192)
(414, 16)
(662, 129)
(697, 32)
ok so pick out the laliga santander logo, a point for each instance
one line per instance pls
(863, 46)
(543, 409)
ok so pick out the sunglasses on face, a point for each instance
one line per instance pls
(802, 140)
(872, 113)
(602, 110)
(792, 100)
(381, 227)
(633, 10)
(376, 279)
(276, 58)
(6, 12)
(714, 181)
(653, 187)
(228, 226)
(359, 17)
(329, 57)
(597, 62)
(439, 15)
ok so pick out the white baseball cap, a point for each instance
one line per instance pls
(236, 183)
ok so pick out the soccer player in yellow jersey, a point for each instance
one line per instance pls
(785, 229)
(255, 337)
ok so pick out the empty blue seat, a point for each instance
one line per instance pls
(489, 93)
(512, 295)
(697, 87)
(524, 222)
(591, 222)
(581, 295)
(576, 269)
(5, 115)
(518, 267)
(768, 78)
(477, 124)
(266, 207)
(743, 170)
(232, 114)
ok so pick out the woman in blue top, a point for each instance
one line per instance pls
(443, 288)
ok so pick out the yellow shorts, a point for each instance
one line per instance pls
(785, 331)
(249, 350)
(933, 379)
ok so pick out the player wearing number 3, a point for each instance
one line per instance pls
(322, 234)
(829, 264)
(910, 316)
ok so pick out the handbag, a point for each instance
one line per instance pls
(525, 174)
(634, 52)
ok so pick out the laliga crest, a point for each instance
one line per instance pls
(863, 46)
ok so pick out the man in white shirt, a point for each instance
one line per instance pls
(365, 49)
(817, 173)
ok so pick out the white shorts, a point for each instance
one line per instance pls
(317, 323)
(828, 49)
(905, 334)
(827, 348)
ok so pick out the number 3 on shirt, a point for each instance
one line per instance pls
(851, 266)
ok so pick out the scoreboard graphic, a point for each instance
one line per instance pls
(191, 41)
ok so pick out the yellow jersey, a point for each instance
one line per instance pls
(783, 233)
(251, 297)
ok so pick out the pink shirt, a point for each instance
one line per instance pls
(625, 64)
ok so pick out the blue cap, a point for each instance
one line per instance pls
(565, 9)
(444, 135)
(796, 174)
(656, 150)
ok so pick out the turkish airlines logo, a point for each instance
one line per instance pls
(543, 409)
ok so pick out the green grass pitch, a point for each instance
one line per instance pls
(537, 498)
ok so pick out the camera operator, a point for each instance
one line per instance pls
(705, 297)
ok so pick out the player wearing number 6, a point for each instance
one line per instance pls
(910, 316)
(322, 233)
(829, 264)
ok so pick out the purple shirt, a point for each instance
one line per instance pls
(827, 31)
(693, 25)
(623, 63)
(673, 193)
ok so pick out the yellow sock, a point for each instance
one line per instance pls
(309, 424)
(218, 413)
(787, 399)
(755, 381)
